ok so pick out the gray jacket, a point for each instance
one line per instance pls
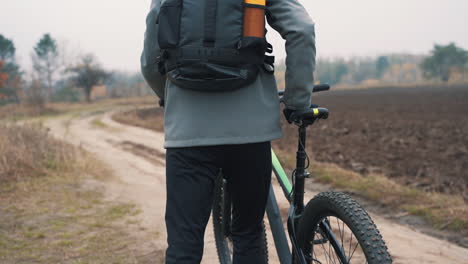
(247, 115)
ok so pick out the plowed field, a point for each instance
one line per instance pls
(418, 136)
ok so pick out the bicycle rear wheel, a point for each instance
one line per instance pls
(222, 223)
(336, 229)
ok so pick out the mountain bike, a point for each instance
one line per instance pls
(331, 228)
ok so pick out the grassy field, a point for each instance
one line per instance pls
(52, 209)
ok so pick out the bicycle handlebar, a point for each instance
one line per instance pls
(321, 112)
(316, 112)
(321, 88)
(317, 88)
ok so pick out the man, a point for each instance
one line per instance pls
(206, 132)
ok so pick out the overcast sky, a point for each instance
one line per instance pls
(113, 29)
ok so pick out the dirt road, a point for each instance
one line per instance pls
(136, 157)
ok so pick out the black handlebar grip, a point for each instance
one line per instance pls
(324, 113)
(321, 88)
(320, 112)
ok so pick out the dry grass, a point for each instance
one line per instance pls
(19, 112)
(28, 151)
(52, 209)
(441, 210)
(14, 112)
(149, 118)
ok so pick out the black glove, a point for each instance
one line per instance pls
(288, 114)
(293, 115)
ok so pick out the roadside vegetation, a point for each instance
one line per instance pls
(52, 209)
(149, 118)
(442, 211)
(14, 112)
(22, 112)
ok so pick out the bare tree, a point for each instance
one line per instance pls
(46, 61)
(87, 74)
(35, 95)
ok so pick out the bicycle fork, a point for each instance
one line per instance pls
(297, 206)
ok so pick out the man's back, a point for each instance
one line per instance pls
(208, 133)
(246, 115)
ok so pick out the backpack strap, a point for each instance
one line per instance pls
(269, 60)
(211, 9)
(161, 61)
(187, 55)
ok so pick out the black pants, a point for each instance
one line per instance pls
(191, 174)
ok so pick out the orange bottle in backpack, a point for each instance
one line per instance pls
(254, 18)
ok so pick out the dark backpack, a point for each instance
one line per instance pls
(203, 47)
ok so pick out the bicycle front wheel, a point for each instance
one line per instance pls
(336, 229)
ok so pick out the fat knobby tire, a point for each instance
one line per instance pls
(353, 215)
(222, 248)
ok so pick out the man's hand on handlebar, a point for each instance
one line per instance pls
(307, 115)
(293, 115)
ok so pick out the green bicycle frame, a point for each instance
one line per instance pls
(273, 212)
(281, 175)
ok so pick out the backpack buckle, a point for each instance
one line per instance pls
(164, 55)
(161, 60)
(269, 64)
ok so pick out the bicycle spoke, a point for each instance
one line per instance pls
(339, 230)
(324, 251)
(331, 254)
(314, 251)
(314, 255)
(342, 235)
(327, 256)
(330, 246)
(350, 245)
(357, 244)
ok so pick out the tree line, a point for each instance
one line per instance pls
(58, 76)
(444, 63)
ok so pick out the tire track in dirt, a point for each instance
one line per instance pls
(136, 157)
(150, 154)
